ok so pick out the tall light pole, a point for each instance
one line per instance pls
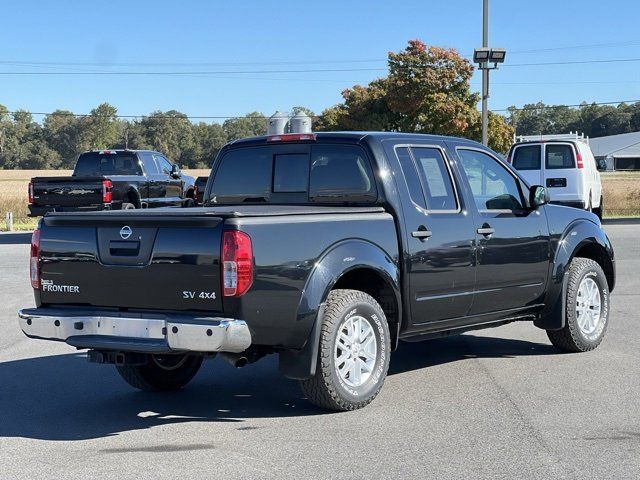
(485, 74)
(483, 57)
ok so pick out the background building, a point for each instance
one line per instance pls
(621, 152)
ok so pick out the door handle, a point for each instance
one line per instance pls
(486, 231)
(422, 233)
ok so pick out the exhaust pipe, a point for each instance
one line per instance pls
(235, 359)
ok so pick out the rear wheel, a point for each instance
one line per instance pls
(587, 308)
(161, 372)
(353, 358)
(600, 210)
(127, 206)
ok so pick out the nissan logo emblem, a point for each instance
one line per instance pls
(125, 232)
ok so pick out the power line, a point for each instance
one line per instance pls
(264, 117)
(319, 70)
(285, 62)
(577, 105)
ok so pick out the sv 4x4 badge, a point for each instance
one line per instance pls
(204, 295)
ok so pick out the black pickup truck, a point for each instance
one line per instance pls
(113, 180)
(326, 249)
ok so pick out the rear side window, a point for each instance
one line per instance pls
(340, 173)
(98, 164)
(436, 181)
(244, 176)
(410, 176)
(527, 157)
(559, 156)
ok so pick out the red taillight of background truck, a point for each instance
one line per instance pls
(107, 188)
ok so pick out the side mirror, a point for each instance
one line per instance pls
(538, 196)
(602, 164)
(175, 170)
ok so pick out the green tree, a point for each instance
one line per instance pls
(100, 129)
(169, 132)
(61, 131)
(251, 125)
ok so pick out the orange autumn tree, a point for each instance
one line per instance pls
(427, 91)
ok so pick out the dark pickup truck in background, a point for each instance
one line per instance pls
(113, 180)
(326, 249)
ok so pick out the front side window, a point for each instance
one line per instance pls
(527, 157)
(340, 173)
(163, 164)
(436, 180)
(492, 186)
(559, 156)
(149, 164)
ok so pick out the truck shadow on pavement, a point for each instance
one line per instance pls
(63, 397)
(15, 238)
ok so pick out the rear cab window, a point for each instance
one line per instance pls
(97, 164)
(295, 174)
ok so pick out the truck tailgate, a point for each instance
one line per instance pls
(67, 191)
(133, 259)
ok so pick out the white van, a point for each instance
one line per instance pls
(562, 163)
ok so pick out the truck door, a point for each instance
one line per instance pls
(173, 186)
(513, 242)
(439, 236)
(150, 169)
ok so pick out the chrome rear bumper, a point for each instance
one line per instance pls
(136, 332)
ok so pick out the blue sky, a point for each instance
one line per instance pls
(110, 36)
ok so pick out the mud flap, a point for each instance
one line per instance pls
(301, 364)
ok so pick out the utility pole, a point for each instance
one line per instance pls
(483, 57)
(485, 74)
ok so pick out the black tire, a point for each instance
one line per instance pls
(127, 206)
(571, 338)
(326, 388)
(161, 372)
(600, 210)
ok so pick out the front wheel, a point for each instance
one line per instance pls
(353, 357)
(587, 308)
(161, 372)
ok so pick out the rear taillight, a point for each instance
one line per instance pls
(237, 263)
(107, 187)
(579, 160)
(34, 259)
(30, 192)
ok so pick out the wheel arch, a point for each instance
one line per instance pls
(133, 196)
(582, 238)
(352, 264)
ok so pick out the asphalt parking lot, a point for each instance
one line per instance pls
(499, 403)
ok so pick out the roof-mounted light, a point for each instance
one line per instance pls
(292, 137)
